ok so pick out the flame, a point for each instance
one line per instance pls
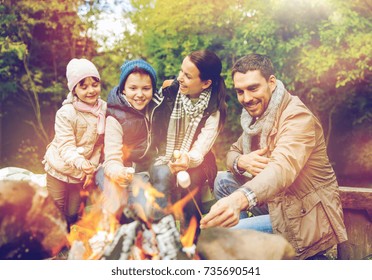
(177, 208)
(140, 212)
(99, 222)
(187, 239)
(150, 194)
(138, 251)
(127, 150)
(90, 224)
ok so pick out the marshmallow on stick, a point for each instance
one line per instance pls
(183, 179)
(130, 173)
(176, 154)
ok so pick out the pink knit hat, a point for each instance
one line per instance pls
(78, 69)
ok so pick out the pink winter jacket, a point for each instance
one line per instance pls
(75, 140)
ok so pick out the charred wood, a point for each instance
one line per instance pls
(31, 226)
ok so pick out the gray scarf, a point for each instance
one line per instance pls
(265, 122)
(180, 136)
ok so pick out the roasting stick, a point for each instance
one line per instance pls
(183, 179)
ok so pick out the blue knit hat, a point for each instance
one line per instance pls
(128, 67)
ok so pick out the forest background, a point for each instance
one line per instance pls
(322, 51)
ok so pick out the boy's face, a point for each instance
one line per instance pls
(88, 91)
(138, 90)
(254, 91)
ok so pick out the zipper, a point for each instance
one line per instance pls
(149, 127)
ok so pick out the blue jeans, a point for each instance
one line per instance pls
(260, 223)
(225, 184)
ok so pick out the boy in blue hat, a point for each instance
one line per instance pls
(130, 106)
(130, 109)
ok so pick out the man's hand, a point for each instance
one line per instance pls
(225, 212)
(253, 162)
(180, 164)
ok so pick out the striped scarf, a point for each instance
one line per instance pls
(180, 135)
(265, 122)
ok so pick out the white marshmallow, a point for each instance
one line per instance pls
(130, 170)
(176, 154)
(183, 179)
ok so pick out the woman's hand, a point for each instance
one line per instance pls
(180, 164)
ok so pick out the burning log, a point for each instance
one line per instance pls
(143, 238)
(168, 239)
(31, 226)
(124, 239)
(228, 244)
(92, 233)
(136, 241)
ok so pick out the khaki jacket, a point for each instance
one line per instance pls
(75, 140)
(299, 184)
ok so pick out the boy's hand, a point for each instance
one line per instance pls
(125, 178)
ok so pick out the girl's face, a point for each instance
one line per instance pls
(138, 90)
(189, 79)
(88, 90)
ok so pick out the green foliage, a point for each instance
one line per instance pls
(193, 25)
(343, 53)
(37, 40)
(321, 49)
(28, 155)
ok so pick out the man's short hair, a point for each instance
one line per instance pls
(252, 62)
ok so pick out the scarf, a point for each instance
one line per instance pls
(180, 135)
(264, 123)
(96, 110)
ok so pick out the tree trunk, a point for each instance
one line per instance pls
(34, 100)
(330, 123)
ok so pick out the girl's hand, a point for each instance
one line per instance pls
(89, 181)
(87, 167)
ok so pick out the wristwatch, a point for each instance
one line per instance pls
(235, 166)
(250, 196)
(237, 171)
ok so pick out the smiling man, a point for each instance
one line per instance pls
(278, 169)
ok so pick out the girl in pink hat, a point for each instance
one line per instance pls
(73, 155)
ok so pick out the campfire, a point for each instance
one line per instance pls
(99, 235)
(33, 228)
